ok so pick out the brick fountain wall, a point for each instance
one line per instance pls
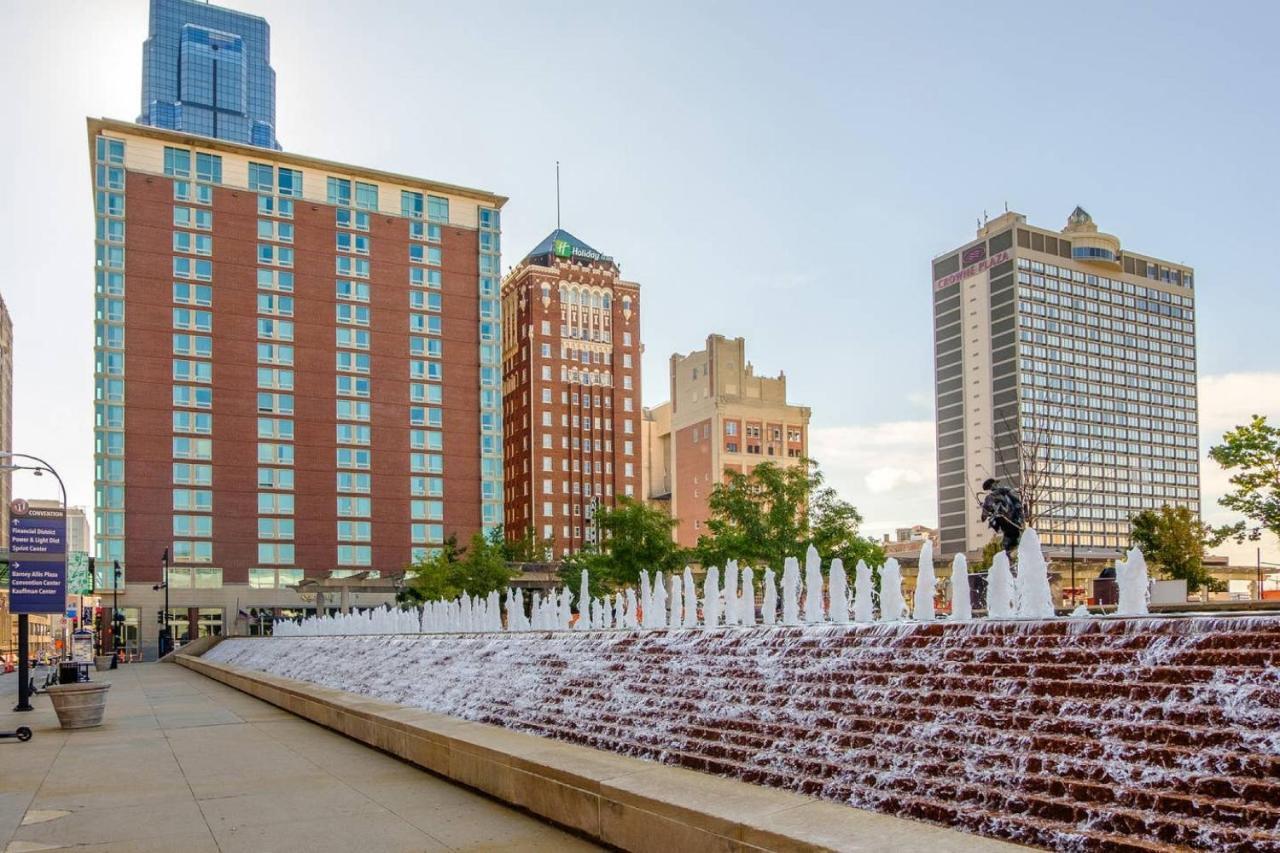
(1099, 734)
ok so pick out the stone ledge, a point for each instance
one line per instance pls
(627, 803)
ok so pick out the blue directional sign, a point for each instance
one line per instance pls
(38, 561)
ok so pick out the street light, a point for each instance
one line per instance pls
(166, 641)
(24, 667)
(115, 614)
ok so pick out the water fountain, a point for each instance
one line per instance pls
(790, 591)
(690, 600)
(837, 591)
(863, 605)
(769, 607)
(731, 592)
(1032, 593)
(748, 602)
(1000, 588)
(1133, 584)
(711, 598)
(961, 605)
(893, 607)
(814, 612)
(926, 583)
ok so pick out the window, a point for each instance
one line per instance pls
(366, 196)
(355, 243)
(275, 280)
(177, 162)
(353, 338)
(411, 204)
(353, 362)
(192, 500)
(290, 185)
(192, 294)
(279, 330)
(355, 531)
(271, 303)
(349, 482)
(354, 434)
(354, 507)
(352, 314)
(192, 396)
(193, 268)
(437, 209)
(353, 410)
(353, 386)
(355, 555)
(275, 528)
(262, 578)
(192, 448)
(275, 503)
(357, 291)
(192, 371)
(209, 168)
(275, 478)
(348, 266)
(185, 551)
(278, 428)
(275, 552)
(339, 191)
(420, 300)
(275, 354)
(348, 457)
(261, 178)
(193, 525)
(357, 219)
(277, 404)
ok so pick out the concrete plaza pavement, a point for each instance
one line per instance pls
(185, 763)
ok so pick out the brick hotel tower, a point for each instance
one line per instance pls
(297, 372)
(571, 390)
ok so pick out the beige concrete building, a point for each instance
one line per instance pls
(722, 417)
(908, 540)
(1067, 367)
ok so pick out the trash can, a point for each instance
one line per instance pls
(72, 672)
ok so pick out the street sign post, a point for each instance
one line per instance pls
(38, 565)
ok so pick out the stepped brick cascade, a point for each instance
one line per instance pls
(1073, 734)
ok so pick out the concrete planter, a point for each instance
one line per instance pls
(102, 662)
(79, 706)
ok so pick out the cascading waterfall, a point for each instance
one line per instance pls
(926, 581)
(961, 605)
(671, 602)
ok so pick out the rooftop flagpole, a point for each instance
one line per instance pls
(557, 195)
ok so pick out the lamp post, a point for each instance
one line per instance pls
(24, 667)
(166, 642)
(115, 614)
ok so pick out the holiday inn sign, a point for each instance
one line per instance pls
(566, 249)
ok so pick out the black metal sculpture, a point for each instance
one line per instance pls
(1002, 511)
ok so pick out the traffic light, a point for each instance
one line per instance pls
(159, 617)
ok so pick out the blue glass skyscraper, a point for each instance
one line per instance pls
(207, 70)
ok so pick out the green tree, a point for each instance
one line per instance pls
(1173, 541)
(771, 513)
(528, 548)
(1251, 451)
(633, 537)
(989, 551)
(477, 570)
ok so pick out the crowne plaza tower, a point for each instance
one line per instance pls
(1066, 366)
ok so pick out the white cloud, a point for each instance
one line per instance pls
(886, 470)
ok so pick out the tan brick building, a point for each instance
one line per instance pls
(722, 417)
(571, 390)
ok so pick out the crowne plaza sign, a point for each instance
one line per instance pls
(974, 269)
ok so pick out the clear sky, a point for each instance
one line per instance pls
(784, 172)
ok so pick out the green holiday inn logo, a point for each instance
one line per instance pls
(562, 249)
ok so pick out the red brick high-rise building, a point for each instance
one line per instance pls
(297, 372)
(571, 391)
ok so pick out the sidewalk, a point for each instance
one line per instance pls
(185, 763)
